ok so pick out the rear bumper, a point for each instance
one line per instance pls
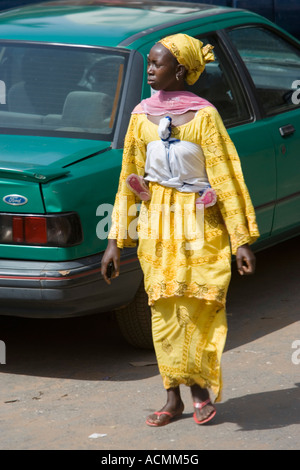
(63, 289)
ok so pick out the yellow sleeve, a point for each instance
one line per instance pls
(125, 211)
(225, 175)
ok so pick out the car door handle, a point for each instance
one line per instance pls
(286, 130)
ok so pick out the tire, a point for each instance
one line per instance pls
(135, 321)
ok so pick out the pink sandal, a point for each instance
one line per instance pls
(138, 186)
(201, 405)
(169, 417)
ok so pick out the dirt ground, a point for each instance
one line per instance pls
(75, 384)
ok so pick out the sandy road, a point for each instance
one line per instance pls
(67, 380)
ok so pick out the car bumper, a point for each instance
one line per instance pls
(64, 289)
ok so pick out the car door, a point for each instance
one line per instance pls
(273, 63)
(222, 84)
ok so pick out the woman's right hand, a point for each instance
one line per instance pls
(111, 254)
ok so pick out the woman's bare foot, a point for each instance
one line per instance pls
(172, 409)
(204, 409)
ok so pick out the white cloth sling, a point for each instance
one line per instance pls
(176, 164)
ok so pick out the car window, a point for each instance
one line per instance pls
(220, 85)
(60, 89)
(273, 64)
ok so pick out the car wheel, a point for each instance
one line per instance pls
(135, 321)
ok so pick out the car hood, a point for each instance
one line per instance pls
(43, 158)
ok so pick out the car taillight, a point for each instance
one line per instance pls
(49, 230)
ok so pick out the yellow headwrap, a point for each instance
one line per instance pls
(189, 52)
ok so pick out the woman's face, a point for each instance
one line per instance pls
(162, 69)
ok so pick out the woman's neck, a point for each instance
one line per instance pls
(177, 119)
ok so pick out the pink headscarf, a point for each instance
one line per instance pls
(173, 102)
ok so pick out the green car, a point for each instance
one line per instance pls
(70, 74)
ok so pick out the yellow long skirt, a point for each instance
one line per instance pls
(189, 335)
(186, 275)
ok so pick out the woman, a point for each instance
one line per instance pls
(186, 261)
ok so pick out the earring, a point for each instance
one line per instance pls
(177, 78)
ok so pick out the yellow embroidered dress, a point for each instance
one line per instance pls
(186, 271)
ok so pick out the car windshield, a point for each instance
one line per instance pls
(60, 90)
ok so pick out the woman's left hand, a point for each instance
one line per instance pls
(245, 260)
